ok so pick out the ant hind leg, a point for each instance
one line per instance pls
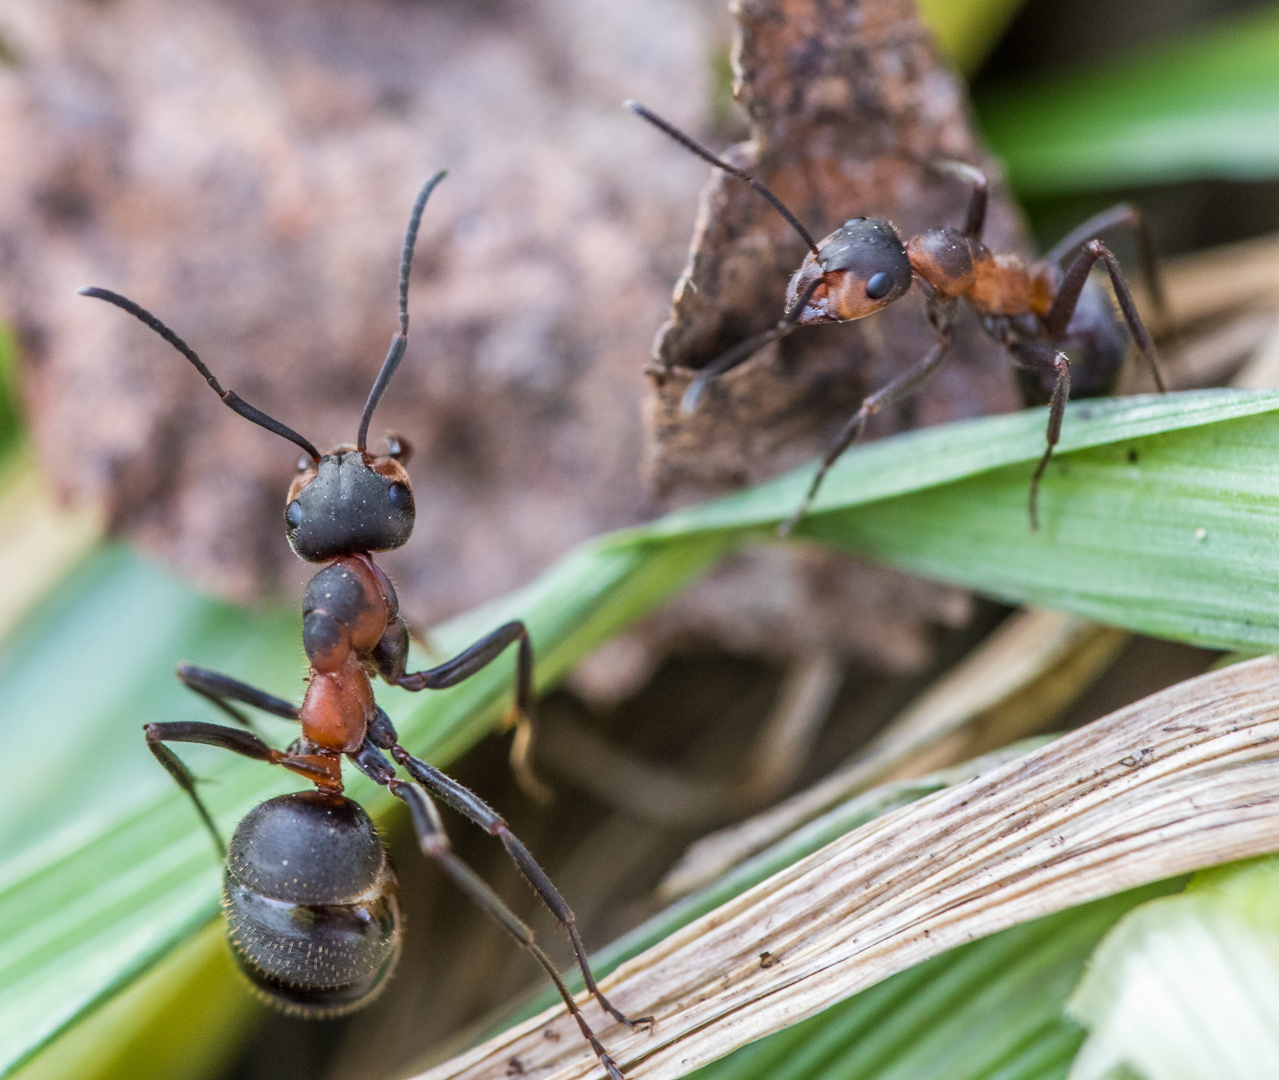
(1127, 216)
(475, 809)
(1072, 284)
(321, 770)
(435, 845)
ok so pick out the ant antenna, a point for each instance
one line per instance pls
(690, 144)
(232, 399)
(400, 341)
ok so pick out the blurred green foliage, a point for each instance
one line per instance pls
(104, 876)
(1203, 106)
(10, 398)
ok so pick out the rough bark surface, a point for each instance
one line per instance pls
(848, 104)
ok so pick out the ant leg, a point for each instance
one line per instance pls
(1042, 359)
(471, 806)
(744, 350)
(318, 768)
(899, 388)
(479, 656)
(220, 690)
(1128, 216)
(1072, 284)
(435, 845)
(975, 218)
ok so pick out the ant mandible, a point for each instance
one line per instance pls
(309, 894)
(1033, 312)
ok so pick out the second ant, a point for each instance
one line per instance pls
(1035, 312)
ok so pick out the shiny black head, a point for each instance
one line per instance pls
(349, 502)
(859, 269)
(310, 901)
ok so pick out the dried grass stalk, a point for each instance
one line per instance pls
(1186, 778)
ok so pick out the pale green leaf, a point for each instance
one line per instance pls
(1188, 987)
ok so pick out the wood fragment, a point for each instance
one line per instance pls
(1183, 779)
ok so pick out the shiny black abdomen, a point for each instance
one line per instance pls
(310, 900)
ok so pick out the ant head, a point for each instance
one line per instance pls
(350, 501)
(857, 270)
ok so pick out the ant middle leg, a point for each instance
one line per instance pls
(322, 770)
(1127, 216)
(975, 216)
(221, 690)
(1072, 284)
(1045, 360)
(475, 809)
(521, 716)
(900, 387)
(434, 843)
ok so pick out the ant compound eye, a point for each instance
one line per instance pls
(293, 514)
(879, 285)
(399, 495)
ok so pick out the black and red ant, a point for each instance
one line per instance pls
(1034, 312)
(309, 894)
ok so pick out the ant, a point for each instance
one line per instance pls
(1033, 312)
(309, 894)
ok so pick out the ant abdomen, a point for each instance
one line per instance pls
(310, 901)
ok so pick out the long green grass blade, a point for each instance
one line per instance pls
(1204, 106)
(105, 868)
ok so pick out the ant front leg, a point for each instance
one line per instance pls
(471, 806)
(1072, 284)
(900, 387)
(477, 657)
(975, 218)
(744, 350)
(320, 769)
(434, 843)
(1042, 359)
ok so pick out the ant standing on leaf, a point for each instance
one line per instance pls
(309, 894)
(1033, 312)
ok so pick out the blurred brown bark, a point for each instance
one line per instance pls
(245, 170)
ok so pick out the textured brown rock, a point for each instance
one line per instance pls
(245, 170)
